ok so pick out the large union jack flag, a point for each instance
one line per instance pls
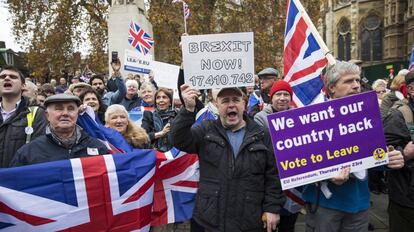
(101, 193)
(304, 56)
(139, 39)
(176, 183)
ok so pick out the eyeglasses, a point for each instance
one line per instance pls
(14, 77)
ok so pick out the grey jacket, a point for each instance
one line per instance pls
(261, 117)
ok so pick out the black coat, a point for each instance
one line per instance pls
(46, 148)
(401, 181)
(233, 192)
(12, 131)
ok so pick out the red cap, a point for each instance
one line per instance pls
(280, 85)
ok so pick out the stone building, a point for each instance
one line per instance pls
(121, 13)
(378, 32)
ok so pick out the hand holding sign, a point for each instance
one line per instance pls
(189, 95)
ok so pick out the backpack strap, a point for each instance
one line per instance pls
(30, 119)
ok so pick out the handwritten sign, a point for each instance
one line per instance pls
(218, 60)
(314, 143)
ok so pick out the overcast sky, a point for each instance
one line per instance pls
(5, 28)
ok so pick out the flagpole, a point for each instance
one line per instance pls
(185, 20)
(318, 37)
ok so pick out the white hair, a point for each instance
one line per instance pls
(115, 108)
(379, 82)
(131, 83)
(403, 72)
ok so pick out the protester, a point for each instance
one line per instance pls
(267, 77)
(91, 98)
(147, 93)
(53, 83)
(62, 87)
(380, 87)
(98, 84)
(47, 89)
(116, 86)
(131, 99)
(397, 87)
(63, 139)
(347, 208)
(40, 99)
(78, 88)
(15, 130)
(116, 117)
(399, 132)
(158, 123)
(29, 90)
(238, 179)
(281, 97)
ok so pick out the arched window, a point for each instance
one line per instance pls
(371, 39)
(344, 39)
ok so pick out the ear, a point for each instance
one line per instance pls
(332, 89)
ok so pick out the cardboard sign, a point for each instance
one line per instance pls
(166, 75)
(218, 60)
(314, 143)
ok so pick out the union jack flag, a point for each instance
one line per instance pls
(176, 183)
(187, 12)
(139, 39)
(304, 56)
(100, 193)
(411, 63)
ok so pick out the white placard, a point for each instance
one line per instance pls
(218, 60)
(166, 75)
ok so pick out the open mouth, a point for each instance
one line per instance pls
(7, 85)
(232, 115)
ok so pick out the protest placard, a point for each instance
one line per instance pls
(136, 62)
(314, 143)
(218, 60)
(165, 74)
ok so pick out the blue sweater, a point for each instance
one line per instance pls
(351, 197)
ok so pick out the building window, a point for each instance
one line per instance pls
(371, 39)
(344, 39)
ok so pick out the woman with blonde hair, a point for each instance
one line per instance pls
(116, 117)
(397, 88)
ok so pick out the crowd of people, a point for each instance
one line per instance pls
(239, 188)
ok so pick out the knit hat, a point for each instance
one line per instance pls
(280, 85)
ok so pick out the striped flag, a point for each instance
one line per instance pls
(411, 64)
(187, 12)
(304, 56)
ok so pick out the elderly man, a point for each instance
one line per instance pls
(19, 123)
(63, 139)
(238, 179)
(346, 209)
(399, 132)
(267, 77)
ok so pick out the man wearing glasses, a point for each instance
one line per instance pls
(18, 123)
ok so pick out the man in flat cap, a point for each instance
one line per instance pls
(267, 77)
(64, 139)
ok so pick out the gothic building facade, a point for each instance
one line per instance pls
(378, 32)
